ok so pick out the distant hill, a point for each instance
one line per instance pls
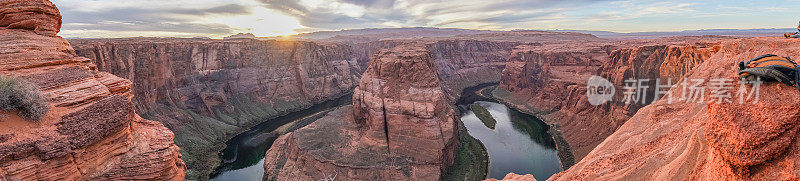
(374, 34)
(721, 32)
(241, 35)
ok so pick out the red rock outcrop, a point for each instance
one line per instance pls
(515, 177)
(179, 81)
(710, 139)
(207, 91)
(550, 81)
(41, 16)
(91, 131)
(400, 127)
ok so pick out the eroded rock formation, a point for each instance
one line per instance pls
(708, 139)
(207, 91)
(400, 127)
(91, 131)
(40, 16)
(204, 90)
(515, 177)
(550, 81)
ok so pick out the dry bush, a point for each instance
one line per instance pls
(21, 95)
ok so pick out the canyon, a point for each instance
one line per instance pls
(91, 131)
(207, 91)
(399, 127)
(550, 81)
(163, 108)
(707, 139)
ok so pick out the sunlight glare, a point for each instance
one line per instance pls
(262, 23)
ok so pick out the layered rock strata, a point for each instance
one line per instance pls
(550, 81)
(400, 127)
(91, 131)
(515, 177)
(710, 139)
(206, 91)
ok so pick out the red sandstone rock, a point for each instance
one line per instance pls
(400, 98)
(550, 81)
(91, 131)
(401, 128)
(206, 91)
(41, 16)
(515, 177)
(212, 77)
(707, 140)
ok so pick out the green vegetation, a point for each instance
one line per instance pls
(199, 136)
(564, 150)
(471, 162)
(483, 115)
(531, 124)
(23, 96)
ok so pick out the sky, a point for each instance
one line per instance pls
(221, 18)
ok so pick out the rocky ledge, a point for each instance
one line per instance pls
(549, 81)
(400, 127)
(710, 139)
(515, 177)
(91, 131)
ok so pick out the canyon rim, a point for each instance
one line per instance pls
(339, 90)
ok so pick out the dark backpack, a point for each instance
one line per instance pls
(771, 68)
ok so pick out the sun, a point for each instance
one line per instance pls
(262, 22)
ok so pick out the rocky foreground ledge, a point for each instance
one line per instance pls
(709, 140)
(400, 127)
(549, 81)
(91, 131)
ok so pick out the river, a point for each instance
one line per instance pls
(243, 157)
(519, 143)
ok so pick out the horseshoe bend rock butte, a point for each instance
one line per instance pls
(91, 131)
(400, 127)
(179, 81)
(707, 140)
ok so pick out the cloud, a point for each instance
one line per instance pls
(504, 14)
(219, 18)
(179, 20)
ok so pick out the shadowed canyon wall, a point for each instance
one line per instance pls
(401, 127)
(207, 91)
(550, 81)
(402, 124)
(91, 131)
(707, 139)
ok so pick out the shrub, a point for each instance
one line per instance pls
(483, 115)
(21, 95)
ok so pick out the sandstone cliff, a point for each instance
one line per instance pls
(707, 140)
(206, 91)
(400, 127)
(91, 131)
(550, 81)
(515, 177)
